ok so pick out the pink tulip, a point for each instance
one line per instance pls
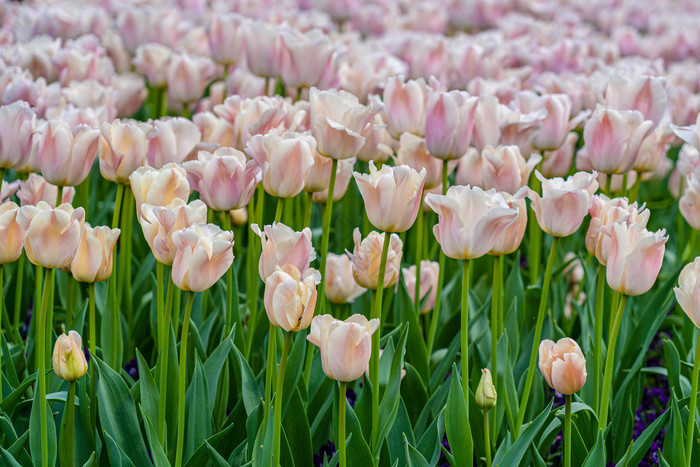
(487, 121)
(159, 187)
(449, 124)
(130, 91)
(564, 203)
(290, 298)
(12, 235)
(688, 291)
(346, 346)
(414, 153)
(635, 257)
(605, 211)
(226, 38)
(505, 169)
(392, 196)
(613, 138)
(92, 261)
(469, 170)
(646, 94)
(470, 220)
(152, 61)
(17, 124)
(262, 48)
(428, 283)
(339, 284)
(204, 253)
(174, 140)
(53, 234)
(124, 147)
(8, 189)
(320, 173)
(558, 163)
(563, 365)
(406, 105)
(36, 189)
(380, 145)
(66, 155)
(689, 203)
(366, 258)
(249, 117)
(187, 77)
(342, 181)
(690, 134)
(512, 236)
(281, 245)
(285, 161)
(304, 57)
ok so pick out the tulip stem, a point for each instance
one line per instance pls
(341, 424)
(279, 393)
(608, 179)
(567, 431)
(93, 354)
(538, 334)
(419, 244)
(67, 427)
(327, 215)
(163, 101)
(634, 192)
(308, 205)
(41, 363)
(18, 295)
(232, 314)
(535, 244)
(164, 358)
(487, 439)
(494, 318)
(159, 301)
(181, 381)
(624, 184)
(464, 336)
(374, 360)
(269, 373)
(59, 196)
(609, 365)
(278, 211)
(693, 402)
(598, 336)
(252, 281)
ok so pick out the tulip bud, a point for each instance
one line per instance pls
(449, 124)
(485, 393)
(281, 245)
(558, 162)
(204, 253)
(69, 361)
(339, 283)
(151, 61)
(53, 234)
(66, 155)
(346, 346)
(92, 261)
(563, 365)
(36, 189)
(12, 235)
(123, 149)
(366, 258)
(290, 299)
(319, 176)
(505, 169)
(428, 283)
(159, 187)
(688, 291)
(303, 57)
(226, 38)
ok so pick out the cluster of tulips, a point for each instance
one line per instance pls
(287, 157)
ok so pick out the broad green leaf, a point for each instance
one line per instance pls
(296, 429)
(198, 417)
(7, 459)
(460, 438)
(516, 452)
(249, 386)
(220, 441)
(674, 442)
(160, 459)
(215, 457)
(294, 369)
(117, 456)
(413, 457)
(148, 391)
(35, 432)
(596, 457)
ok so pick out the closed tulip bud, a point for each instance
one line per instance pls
(159, 187)
(281, 245)
(204, 254)
(505, 169)
(123, 149)
(428, 283)
(11, 233)
(151, 61)
(688, 291)
(225, 179)
(392, 196)
(486, 392)
(53, 234)
(319, 176)
(414, 153)
(449, 124)
(174, 140)
(613, 138)
(635, 257)
(367, 255)
(239, 217)
(36, 189)
(646, 94)
(92, 261)
(406, 105)
(340, 124)
(69, 361)
(160, 222)
(66, 155)
(563, 365)
(605, 211)
(290, 298)
(470, 220)
(339, 284)
(285, 161)
(689, 203)
(187, 76)
(557, 163)
(304, 57)
(512, 236)
(17, 122)
(564, 203)
(346, 346)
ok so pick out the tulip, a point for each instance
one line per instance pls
(345, 346)
(406, 104)
(152, 61)
(485, 395)
(174, 141)
(379, 145)
(66, 155)
(392, 196)
(563, 365)
(428, 283)
(320, 173)
(340, 124)
(225, 179)
(557, 163)
(17, 122)
(226, 38)
(604, 212)
(239, 217)
(690, 134)
(261, 47)
(511, 238)
(414, 153)
(304, 57)
(689, 203)
(487, 121)
(290, 299)
(449, 124)
(123, 148)
(8, 189)
(555, 126)
(285, 161)
(646, 94)
(505, 169)
(159, 187)
(613, 138)
(339, 282)
(69, 361)
(366, 258)
(36, 189)
(469, 170)
(281, 245)
(92, 261)
(204, 253)
(653, 149)
(343, 174)
(244, 118)
(12, 235)
(564, 203)
(635, 257)
(53, 234)
(187, 76)
(470, 220)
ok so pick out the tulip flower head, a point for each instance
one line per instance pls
(605, 211)
(505, 169)
(290, 298)
(66, 155)
(563, 365)
(92, 261)
(281, 245)
(450, 123)
(12, 234)
(486, 392)
(36, 189)
(17, 122)
(123, 148)
(339, 283)
(204, 254)
(319, 176)
(428, 283)
(689, 203)
(688, 291)
(69, 361)
(414, 153)
(512, 236)
(175, 138)
(159, 187)
(367, 255)
(346, 346)
(53, 234)
(406, 104)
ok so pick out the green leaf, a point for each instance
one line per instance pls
(35, 432)
(148, 390)
(674, 446)
(460, 438)
(642, 444)
(117, 456)
(215, 457)
(596, 457)
(219, 441)
(296, 428)
(400, 431)
(295, 367)
(213, 365)
(197, 421)
(10, 402)
(429, 444)
(416, 351)
(157, 452)
(516, 452)
(249, 386)
(672, 362)
(8, 459)
(413, 457)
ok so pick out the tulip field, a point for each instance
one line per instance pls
(377, 233)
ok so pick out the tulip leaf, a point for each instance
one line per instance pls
(157, 452)
(416, 351)
(435, 404)
(437, 377)
(216, 459)
(400, 431)
(357, 447)
(249, 385)
(219, 441)
(294, 369)
(674, 442)
(458, 435)
(596, 456)
(118, 414)
(117, 456)
(35, 432)
(296, 428)
(9, 375)
(147, 388)
(214, 364)
(8, 459)
(516, 452)
(112, 352)
(413, 457)
(672, 362)
(197, 421)
(413, 392)
(429, 444)
(10, 402)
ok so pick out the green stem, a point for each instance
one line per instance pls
(327, 215)
(535, 239)
(181, 381)
(164, 353)
(538, 333)
(613, 307)
(374, 359)
(18, 295)
(308, 204)
(567, 432)
(186, 111)
(441, 277)
(598, 336)
(610, 364)
(67, 430)
(624, 183)
(341, 424)
(59, 196)
(464, 333)
(487, 439)
(269, 373)
(634, 192)
(69, 301)
(419, 244)
(41, 364)
(163, 101)
(608, 180)
(117, 205)
(278, 211)
(232, 314)
(279, 396)
(494, 319)
(253, 283)
(113, 282)
(693, 401)
(125, 279)
(159, 301)
(93, 354)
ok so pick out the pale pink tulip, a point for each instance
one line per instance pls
(123, 148)
(290, 298)
(12, 235)
(449, 124)
(605, 211)
(512, 236)
(487, 122)
(428, 283)
(689, 203)
(342, 182)
(414, 153)
(226, 38)
(469, 170)
(159, 187)
(505, 169)
(653, 149)
(406, 104)
(17, 124)
(130, 91)
(36, 189)
(558, 163)
(92, 261)
(262, 48)
(187, 77)
(320, 173)
(281, 245)
(204, 254)
(304, 57)
(173, 142)
(53, 234)
(563, 365)
(688, 291)
(380, 145)
(69, 362)
(555, 125)
(152, 61)
(66, 154)
(366, 258)
(339, 284)
(8, 189)
(249, 117)
(690, 134)
(646, 94)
